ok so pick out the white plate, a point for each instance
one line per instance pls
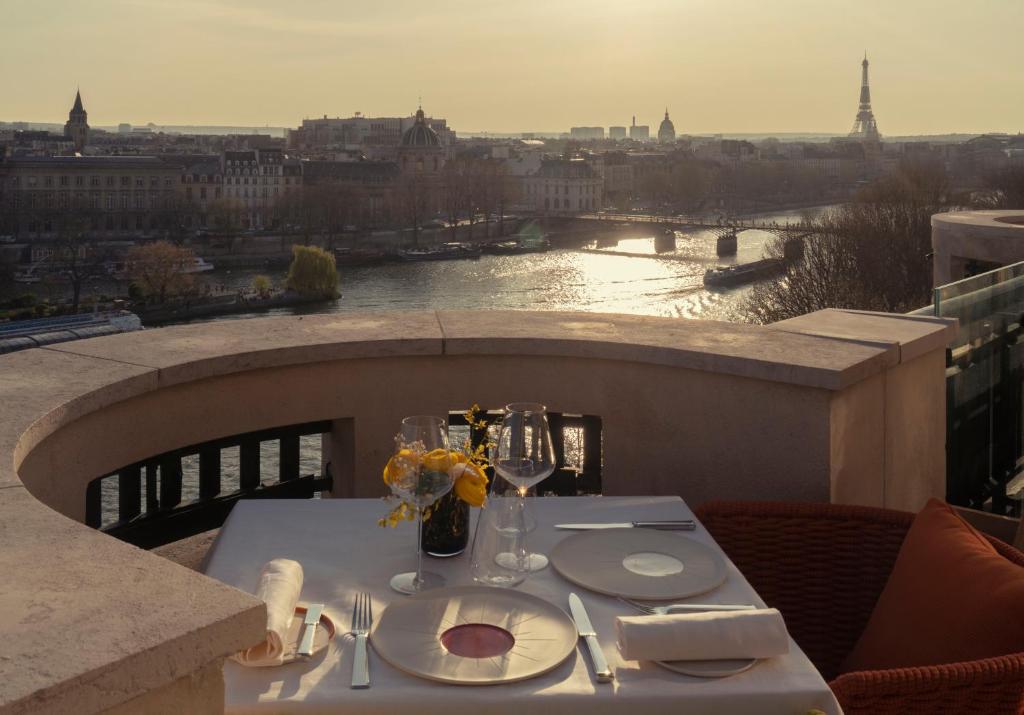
(708, 668)
(474, 635)
(642, 564)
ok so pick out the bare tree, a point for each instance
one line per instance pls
(871, 254)
(159, 269)
(1004, 189)
(77, 257)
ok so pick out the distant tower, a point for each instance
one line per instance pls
(864, 126)
(77, 127)
(667, 130)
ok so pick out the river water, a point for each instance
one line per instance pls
(563, 279)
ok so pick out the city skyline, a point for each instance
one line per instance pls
(790, 68)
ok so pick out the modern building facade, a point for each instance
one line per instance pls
(639, 133)
(586, 133)
(616, 133)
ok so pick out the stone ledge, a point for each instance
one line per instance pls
(192, 352)
(751, 351)
(911, 335)
(90, 622)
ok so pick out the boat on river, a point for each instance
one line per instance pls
(518, 246)
(358, 256)
(444, 252)
(728, 276)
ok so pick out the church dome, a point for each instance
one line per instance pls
(420, 134)
(667, 130)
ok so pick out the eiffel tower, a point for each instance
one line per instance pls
(864, 126)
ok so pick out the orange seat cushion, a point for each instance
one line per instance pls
(950, 598)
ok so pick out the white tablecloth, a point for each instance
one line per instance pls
(342, 551)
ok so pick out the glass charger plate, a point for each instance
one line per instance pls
(474, 635)
(639, 563)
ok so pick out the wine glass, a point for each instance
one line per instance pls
(524, 457)
(419, 474)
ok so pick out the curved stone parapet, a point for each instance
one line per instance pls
(958, 237)
(812, 409)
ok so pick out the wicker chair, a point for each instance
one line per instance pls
(824, 566)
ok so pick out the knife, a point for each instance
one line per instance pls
(679, 525)
(602, 673)
(313, 612)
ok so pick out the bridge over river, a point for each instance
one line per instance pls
(721, 227)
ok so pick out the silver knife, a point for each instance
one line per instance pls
(679, 525)
(602, 673)
(312, 619)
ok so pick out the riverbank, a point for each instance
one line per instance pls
(216, 306)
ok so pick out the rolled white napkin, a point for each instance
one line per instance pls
(712, 635)
(279, 587)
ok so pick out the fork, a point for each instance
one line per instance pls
(362, 618)
(683, 607)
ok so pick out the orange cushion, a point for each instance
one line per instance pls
(951, 597)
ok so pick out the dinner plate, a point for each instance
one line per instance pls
(474, 635)
(639, 563)
(708, 668)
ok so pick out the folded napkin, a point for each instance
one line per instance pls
(279, 587)
(712, 635)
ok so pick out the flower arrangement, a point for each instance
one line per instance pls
(465, 466)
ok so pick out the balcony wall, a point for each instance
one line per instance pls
(837, 405)
(987, 236)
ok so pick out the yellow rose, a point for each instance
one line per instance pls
(470, 483)
(399, 463)
(437, 460)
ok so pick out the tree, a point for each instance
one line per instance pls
(262, 286)
(75, 256)
(412, 203)
(1004, 189)
(871, 254)
(158, 269)
(313, 273)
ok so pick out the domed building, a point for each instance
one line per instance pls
(667, 130)
(421, 151)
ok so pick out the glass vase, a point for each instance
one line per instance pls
(446, 532)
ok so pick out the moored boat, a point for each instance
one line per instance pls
(726, 276)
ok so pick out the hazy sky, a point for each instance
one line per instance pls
(720, 66)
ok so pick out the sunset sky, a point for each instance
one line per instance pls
(727, 66)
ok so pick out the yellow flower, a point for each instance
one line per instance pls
(400, 463)
(438, 460)
(470, 483)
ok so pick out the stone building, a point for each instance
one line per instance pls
(360, 131)
(77, 127)
(107, 195)
(563, 187)
(667, 130)
(255, 181)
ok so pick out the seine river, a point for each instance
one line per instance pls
(562, 279)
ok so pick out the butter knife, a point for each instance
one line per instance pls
(312, 619)
(602, 673)
(678, 525)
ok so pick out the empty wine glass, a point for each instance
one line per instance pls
(419, 474)
(524, 456)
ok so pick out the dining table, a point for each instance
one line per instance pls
(343, 552)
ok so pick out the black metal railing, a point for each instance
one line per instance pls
(577, 444)
(155, 502)
(985, 421)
